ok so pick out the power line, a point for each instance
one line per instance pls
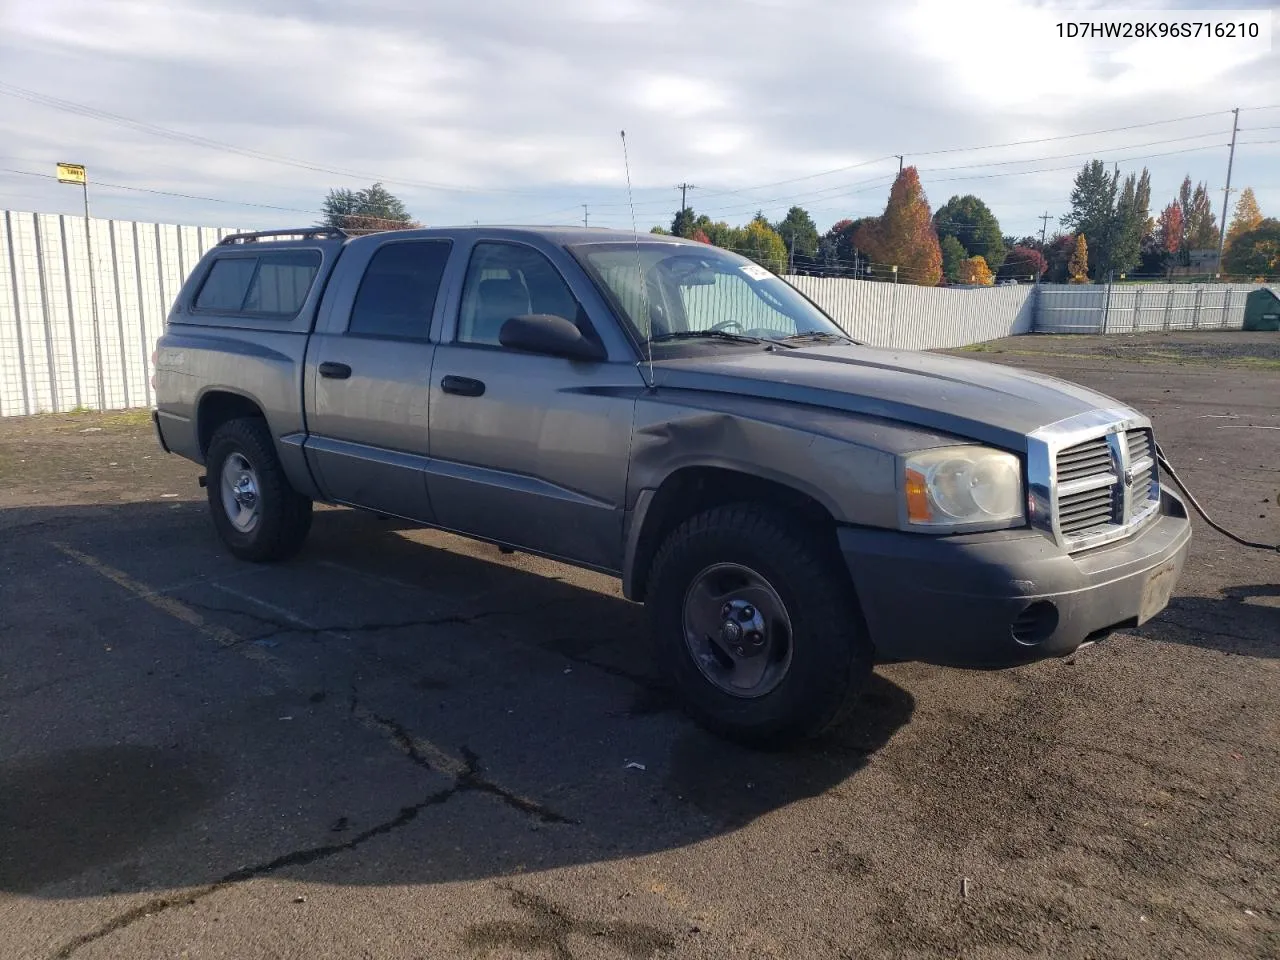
(167, 193)
(1071, 136)
(93, 113)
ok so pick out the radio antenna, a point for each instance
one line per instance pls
(644, 296)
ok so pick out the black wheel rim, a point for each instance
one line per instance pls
(737, 630)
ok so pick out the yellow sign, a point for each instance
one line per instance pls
(71, 173)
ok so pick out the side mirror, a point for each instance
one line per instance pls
(546, 334)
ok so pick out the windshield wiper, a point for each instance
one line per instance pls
(700, 334)
(818, 335)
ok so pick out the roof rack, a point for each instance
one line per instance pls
(301, 233)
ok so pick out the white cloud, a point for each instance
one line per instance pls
(520, 104)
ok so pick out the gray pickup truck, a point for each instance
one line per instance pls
(792, 506)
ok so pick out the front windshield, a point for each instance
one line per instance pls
(671, 291)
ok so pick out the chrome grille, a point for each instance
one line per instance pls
(1105, 486)
(1079, 512)
(1088, 459)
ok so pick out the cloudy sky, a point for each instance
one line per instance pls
(509, 110)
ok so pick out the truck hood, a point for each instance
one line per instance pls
(982, 401)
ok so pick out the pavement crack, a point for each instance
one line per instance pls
(296, 858)
(472, 778)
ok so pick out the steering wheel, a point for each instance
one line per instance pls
(725, 325)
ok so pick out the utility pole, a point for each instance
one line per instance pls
(1044, 225)
(584, 215)
(1106, 307)
(900, 159)
(74, 173)
(1226, 191)
(684, 188)
(791, 256)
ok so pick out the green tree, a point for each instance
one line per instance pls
(1133, 222)
(684, 223)
(800, 235)
(903, 236)
(973, 224)
(761, 243)
(953, 257)
(1256, 252)
(1202, 230)
(1093, 209)
(373, 208)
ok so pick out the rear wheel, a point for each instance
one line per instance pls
(257, 513)
(756, 626)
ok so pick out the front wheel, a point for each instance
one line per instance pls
(259, 516)
(756, 626)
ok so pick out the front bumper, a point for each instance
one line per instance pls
(1008, 597)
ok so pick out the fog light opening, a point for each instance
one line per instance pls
(1035, 624)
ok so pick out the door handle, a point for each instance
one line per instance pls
(462, 386)
(334, 371)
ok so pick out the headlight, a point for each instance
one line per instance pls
(963, 486)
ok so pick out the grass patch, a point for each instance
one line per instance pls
(128, 418)
(1184, 360)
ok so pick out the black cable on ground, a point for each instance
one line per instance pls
(1168, 468)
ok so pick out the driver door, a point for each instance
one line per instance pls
(528, 450)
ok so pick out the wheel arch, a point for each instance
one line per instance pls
(690, 490)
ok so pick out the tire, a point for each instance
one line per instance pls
(811, 679)
(281, 517)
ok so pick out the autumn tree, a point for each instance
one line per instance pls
(1247, 216)
(365, 211)
(761, 243)
(903, 235)
(1256, 252)
(1201, 230)
(973, 224)
(954, 256)
(1170, 228)
(975, 270)
(1078, 265)
(1022, 262)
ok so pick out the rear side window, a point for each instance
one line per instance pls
(398, 291)
(266, 284)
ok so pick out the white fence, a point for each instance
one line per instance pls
(1139, 308)
(61, 347)
(921, 318)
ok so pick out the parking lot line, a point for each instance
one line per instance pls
(222, 636)
(415, 747)
(282, 612)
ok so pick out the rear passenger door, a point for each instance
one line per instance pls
(369, 374)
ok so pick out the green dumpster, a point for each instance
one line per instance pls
(1262, 310)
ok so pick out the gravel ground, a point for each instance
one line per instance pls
(405, 745)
